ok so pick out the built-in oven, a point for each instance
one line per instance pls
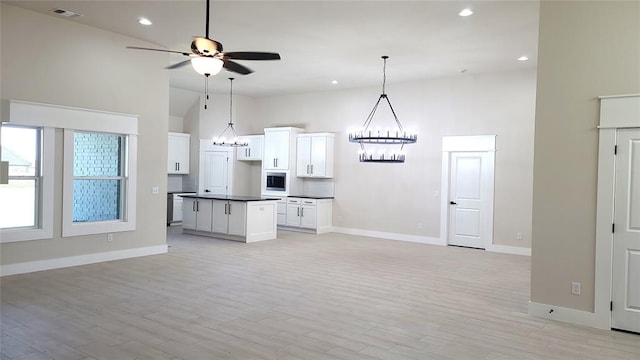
(276, 181)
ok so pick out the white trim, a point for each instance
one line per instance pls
(40, 265)
(620, 112)
(472, 143)
(69, 228)
(389, 236)
(573, 316)
(618, 96)
(469, 143)
(45, 198)
(504, 249)
(66, 117)
(604, 219)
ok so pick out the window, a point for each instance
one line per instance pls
(97, 183)
(106, 196)
(98, 177)
(26, 201)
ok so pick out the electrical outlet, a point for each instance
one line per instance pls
(420, 225)
(519, 236)
(576, 288)
(109, 237)
(155, 190)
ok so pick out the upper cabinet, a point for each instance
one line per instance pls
(252, 152)
(315, 155)
(178, 157)
(279, 147)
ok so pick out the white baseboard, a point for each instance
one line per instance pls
(514, 250)
(32, 266)
(389, 236)
(572, 316)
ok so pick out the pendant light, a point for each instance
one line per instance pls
(395, 135)
(234, 140)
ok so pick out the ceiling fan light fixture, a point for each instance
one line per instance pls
(206, 65)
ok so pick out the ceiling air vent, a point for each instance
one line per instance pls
(65, 13)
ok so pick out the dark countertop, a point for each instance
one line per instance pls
(311, 197)
(181, 192)
(231, 198)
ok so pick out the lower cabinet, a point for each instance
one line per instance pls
(197, 214)
(282, 212)
(312, 214)
(229, 217)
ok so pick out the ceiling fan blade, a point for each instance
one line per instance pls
(252, 55)
(161, 50)
(235, 67)
(205, 46)
(177, 65)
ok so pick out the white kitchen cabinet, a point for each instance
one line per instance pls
(276, 149)
(253, 151)
(315, 155)
(197, 214)
(177, 207)
(229, 217)
(279, 148)
(313, 215)
(281, 212)
(178, 153)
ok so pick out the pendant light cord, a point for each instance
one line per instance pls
(231, 102)
(384, 74)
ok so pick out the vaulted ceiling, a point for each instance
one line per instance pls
(322, 41)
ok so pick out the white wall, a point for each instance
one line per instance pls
(405, 198)
(587, 49)
(57, 61)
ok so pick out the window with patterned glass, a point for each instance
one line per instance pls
(99, 177)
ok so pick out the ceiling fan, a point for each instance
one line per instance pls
(207, 56)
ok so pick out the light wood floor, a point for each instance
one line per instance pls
(298, 297)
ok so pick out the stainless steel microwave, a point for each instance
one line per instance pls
(276, 181)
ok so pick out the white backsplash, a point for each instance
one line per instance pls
(318, 187)
(174, 183)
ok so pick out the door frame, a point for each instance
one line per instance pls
(470, 143)
(616, 112)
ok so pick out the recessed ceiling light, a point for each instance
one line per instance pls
(523, 58)
(465, 12)
(144, 21)
(334, 82)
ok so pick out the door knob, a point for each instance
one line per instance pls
(207, 190)
(453, 203)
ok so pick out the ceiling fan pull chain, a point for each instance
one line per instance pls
(206, 91)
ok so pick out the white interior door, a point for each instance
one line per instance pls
(468, 199)
(216, 172)
(626, 237)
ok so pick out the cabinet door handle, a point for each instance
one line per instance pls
(249, 150)
(298, 211)
(225, 209)
(178, 166)
(229, 209)
(274, 162)
(302, 212)
(193, 206)
(197, 206)
(312, 168)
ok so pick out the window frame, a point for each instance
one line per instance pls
(127, 222)
(43, 228)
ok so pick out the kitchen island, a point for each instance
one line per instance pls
(238, 218)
